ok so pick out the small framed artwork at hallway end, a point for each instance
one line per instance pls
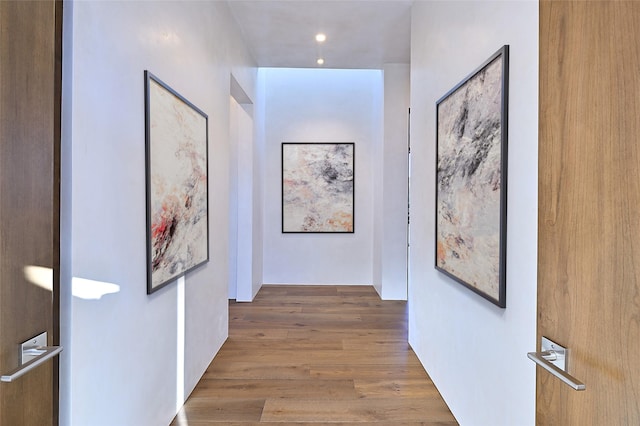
(318, 187)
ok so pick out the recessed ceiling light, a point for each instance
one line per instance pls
(320, 37)
(320, 61)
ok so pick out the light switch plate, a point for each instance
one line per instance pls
(29, 349)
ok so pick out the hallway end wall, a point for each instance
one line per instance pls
(320, 105)
(474, 351)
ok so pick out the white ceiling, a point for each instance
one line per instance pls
(361, 34)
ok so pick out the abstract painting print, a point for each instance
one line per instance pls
(318, 187)
(471, 180)
(177, 185)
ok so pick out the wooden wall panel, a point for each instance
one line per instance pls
(29, 201)
(589, 209)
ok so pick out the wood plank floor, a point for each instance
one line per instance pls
(316, 355)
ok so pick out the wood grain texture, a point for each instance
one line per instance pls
(30, 82)
(589, 193)
(316, 355)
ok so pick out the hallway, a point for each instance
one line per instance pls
(316, 354)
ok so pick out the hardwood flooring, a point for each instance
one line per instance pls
(316, 355)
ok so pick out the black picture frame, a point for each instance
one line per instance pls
(177, 186)
(318, 187)
(471, 179)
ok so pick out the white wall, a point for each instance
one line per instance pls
(321, 105)
(130, 358)
(234, 143)
(474, 351)
(245, 213)
(394, 171)
(259, 153)
(245, 226)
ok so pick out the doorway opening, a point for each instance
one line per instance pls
(241, 177)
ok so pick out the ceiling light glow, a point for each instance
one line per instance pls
(320, 37)
(320, 61)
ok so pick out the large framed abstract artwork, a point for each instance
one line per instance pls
(318, 187)
(177, 184)
(471, 180)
